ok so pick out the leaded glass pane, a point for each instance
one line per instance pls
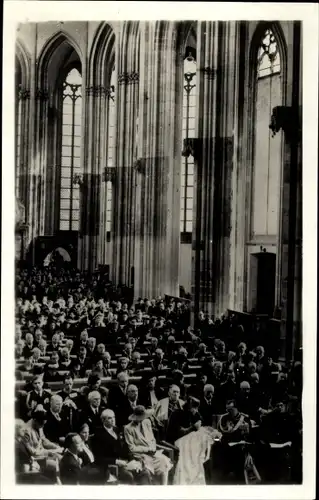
(64, 225)
(268, 55)
(75, 225)
(71, 149)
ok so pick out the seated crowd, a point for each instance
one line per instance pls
(105, 388)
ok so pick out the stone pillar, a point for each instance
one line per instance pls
(42, 106)
(35, 208)
(217, 46)
(23, 176)
(157, 232)
(288, 118)
(94, 125)
(241, 102)
(126, 98)
(91, 181)
(22, 168)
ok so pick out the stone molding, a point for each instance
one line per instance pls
(128, 78)
(98, 91)
(23, 94)
(41, 94)
(209, 73)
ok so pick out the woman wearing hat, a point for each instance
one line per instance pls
(142, 445)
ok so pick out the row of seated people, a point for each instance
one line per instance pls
(218, 365)
(146, 353)
(69, 410)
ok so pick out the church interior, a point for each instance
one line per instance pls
(158, 250)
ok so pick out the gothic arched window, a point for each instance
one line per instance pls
(187, 170)
(71, 151)
(268, 55)
(266, 177)
(267, 161)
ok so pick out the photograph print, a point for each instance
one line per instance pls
(158, 243)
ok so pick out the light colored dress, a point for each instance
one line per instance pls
(194, 451)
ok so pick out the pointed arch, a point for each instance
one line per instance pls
(260, 30)
(102, 55)
(187, 32)
(51, 46)
(264, 154)
(24, 60)
(129, 43)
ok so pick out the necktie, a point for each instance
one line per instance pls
(141, 429)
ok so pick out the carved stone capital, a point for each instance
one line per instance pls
(100, 91)
(41, 94)
(23, 94)
(209, 73)
(140, 166)
(108, 174)
(191, 147)
(128, 78)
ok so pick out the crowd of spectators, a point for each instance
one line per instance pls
(105, 387)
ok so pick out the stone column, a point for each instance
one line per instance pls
(213, 149)
(22, 168)
(240, 178)
(91, 181)
(288, 118)
(159, 162)
(35, 207)
(126, 98)
(23, 175)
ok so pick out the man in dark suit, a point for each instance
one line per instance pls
(70, 464)
(109, 449)
(206, 408)
(57, 424)
(37, 395)
(91, 413)
(117, 394)
(126, 406)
